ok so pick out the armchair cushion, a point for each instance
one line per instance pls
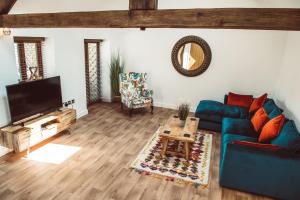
(134, 91)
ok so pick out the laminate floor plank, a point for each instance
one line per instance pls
(108, 141)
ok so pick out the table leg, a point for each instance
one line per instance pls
(187, 150)
(164, 147)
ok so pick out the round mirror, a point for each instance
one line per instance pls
(191, 56)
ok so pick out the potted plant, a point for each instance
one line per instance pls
(116, 67)
(183, 112)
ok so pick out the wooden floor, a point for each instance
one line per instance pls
(109, 142)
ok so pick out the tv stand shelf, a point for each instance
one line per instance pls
(21, 137)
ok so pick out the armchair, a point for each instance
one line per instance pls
(134, 92)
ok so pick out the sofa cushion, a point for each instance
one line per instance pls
(209, 107)
(238, 126)
(272, 129)
(235, 112)
(259, 119)
(276, 112)
(210, 117)
(239, 100)
(270, 105)
(258, 103)
(289, 137)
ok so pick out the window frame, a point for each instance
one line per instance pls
(20, 41)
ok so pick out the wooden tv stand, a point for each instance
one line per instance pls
(21, 137)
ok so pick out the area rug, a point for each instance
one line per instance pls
(176, 168)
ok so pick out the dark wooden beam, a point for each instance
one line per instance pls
(6, 6)
(215, 18)
(1, 21)
(142, 4)
(21, 39)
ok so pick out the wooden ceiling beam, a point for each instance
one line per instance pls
(143, 4)
(1, 21)
(214, 18)
(6, 6)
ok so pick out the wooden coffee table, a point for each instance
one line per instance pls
(172, 131)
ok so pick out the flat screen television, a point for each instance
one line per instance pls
(34, 97)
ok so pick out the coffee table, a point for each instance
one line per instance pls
(173, 131)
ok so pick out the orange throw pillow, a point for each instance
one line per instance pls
(272, 129)
(239, 100)
(259, 119)
(258, 103)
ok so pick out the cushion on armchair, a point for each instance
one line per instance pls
(289, 137)
(134, 91)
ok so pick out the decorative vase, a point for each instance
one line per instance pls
(182, 123)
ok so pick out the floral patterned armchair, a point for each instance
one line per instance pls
(134, 92)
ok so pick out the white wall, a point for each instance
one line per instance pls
(242, 61)
(38, 6)
(8, 75)
(287, 90)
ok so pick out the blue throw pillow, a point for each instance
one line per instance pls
(270, 105)
(289, 137)
(276, 112)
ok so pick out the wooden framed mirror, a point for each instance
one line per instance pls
(191, 56)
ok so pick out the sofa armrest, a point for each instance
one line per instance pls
(260, 170)
(260, 146)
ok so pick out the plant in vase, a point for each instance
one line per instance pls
(116, 67)
(183, 112)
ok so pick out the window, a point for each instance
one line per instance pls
(92, 70)
(29, 57)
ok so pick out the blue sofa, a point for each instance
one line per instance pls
(252, 168)
(212, 113)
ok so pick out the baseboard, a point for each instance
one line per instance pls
(170, 106)
(107, 100)
(82, 113)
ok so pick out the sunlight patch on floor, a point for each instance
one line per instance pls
(53, 153)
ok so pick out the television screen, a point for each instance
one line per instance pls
(34, 97)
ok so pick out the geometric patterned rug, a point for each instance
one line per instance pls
(176, 168)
